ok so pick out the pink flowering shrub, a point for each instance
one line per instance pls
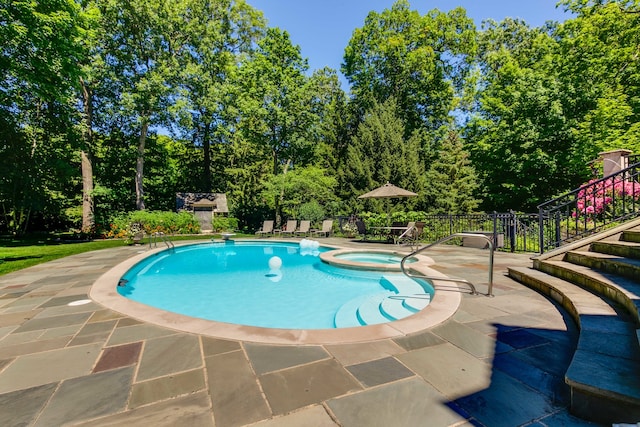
(605, 199)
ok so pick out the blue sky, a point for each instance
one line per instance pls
(323, 28)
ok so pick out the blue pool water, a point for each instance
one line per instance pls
(234, 283)
(373, 257)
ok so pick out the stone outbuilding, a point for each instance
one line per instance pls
(204, 206)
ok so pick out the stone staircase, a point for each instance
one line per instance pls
(597, 280)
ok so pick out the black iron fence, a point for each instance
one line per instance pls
(597, 205)
(509, 231)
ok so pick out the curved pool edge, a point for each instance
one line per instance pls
(333, 258)
(104, 292)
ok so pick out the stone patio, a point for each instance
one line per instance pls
(497, 362)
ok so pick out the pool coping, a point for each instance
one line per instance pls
(443, 305)
(333, 258)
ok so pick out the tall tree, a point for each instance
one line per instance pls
(380, 153)
(278, 105)
(600, 68)
(452, 179)
(143, 39)
(518, 138)
(39, 50)
(217, 35)
(420, 60)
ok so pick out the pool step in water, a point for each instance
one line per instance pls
(401, 284)
(405, 297)
(417, 302)
(393, 308)
(347, 315)
(369, 311)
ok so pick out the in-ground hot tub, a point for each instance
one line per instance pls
(368, 259)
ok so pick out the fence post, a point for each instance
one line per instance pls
(540, 231)
(494, 238)
(514, 230)
(556, 221)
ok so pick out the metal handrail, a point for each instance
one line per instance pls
(452, 279)
(153, 240)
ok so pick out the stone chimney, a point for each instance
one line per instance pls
(614, 161)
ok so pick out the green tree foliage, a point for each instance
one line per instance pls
(452, 181)
(380, 153)
(298, 188)
(39, 49)
(420, 60)
(280, 107)
(275, 100)
(143, 39)
(551, 99)
(87, 85)
(518, 138)
(600, 63)
(218, 34)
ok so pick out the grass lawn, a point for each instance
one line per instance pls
(16, 254)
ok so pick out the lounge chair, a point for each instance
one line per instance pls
(267, 228)
(327, 228)
(290, 229)
(304, 229)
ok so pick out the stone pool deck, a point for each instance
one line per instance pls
(497, 362)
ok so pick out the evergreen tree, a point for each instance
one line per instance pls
(379, 153)
(452, 179)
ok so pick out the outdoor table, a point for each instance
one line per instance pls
(389, 231)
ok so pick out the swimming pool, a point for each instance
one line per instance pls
(270, 285)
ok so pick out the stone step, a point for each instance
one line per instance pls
(614, 264)
(347, 314)
(619, 247)
(417, 302)
(631, 236)
(603, 374)
(401, 306)
(401, 284)
(393, 307)
(369, 312)
(624, 291)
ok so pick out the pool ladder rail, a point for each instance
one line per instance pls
(159, 235)
(410, 273)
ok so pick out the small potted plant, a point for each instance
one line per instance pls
(349, 229)
(135, 233)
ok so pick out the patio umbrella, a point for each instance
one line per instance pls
(387, 191)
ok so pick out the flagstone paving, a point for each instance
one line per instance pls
(497, 362)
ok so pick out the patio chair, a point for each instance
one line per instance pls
(304, 229)
(362, 229)
(290, 228)
(327, 228)
(267, 228)
(413, 237)
(403, 235)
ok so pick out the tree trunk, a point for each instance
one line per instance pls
(206, 151)
(88, 219)
(280, 199)
(86, 162)
(140, 164)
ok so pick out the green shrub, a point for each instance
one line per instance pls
(222, 223)
(126, 225)
(311, 211)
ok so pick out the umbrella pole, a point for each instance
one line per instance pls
(388, 213)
